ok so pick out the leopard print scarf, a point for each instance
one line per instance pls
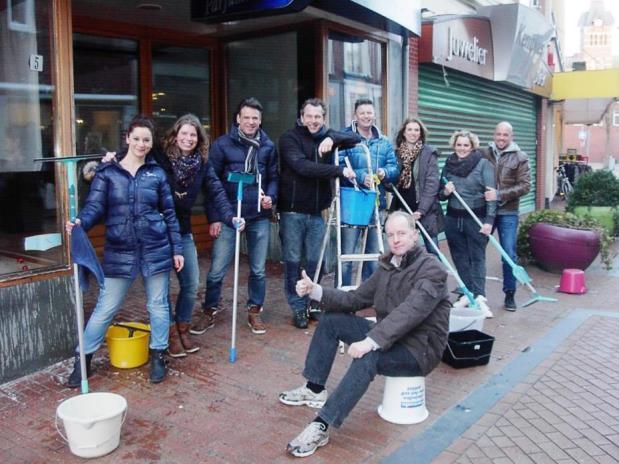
(407, 157)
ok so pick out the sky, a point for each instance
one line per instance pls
(572, 15)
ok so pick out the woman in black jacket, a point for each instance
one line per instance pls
(419, 178)
(185, 161)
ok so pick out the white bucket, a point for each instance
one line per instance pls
(404, 400)
(92, 423)
(466, 319)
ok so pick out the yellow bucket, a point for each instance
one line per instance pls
(128, 348)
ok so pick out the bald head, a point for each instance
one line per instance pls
(503, 135)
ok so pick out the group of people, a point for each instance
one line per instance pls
(145, 196)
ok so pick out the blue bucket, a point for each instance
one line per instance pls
(357, 206)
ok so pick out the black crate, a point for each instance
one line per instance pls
(468, 348)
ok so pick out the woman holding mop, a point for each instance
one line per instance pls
(467, 172)
(419, 178)
(141, 237)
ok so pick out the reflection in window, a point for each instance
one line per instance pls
(181, 85)
(106, 91)
(355, 71)
(263, 68)
(28, 201)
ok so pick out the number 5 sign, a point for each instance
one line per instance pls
(36, 63)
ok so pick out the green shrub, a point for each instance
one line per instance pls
(595, 188)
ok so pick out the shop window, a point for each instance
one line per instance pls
(106, 95)
(262, 67)
(30, 222)
(181, 85)
(106, 90)
(355, 71)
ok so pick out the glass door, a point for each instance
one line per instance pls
(29, 213)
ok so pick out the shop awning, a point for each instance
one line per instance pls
(587, 95)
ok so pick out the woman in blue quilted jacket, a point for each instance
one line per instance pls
(133, 198)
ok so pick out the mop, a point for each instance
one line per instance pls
(79, 308)
(472, 302)
(519, 272)
(240, 178)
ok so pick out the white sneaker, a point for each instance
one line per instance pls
(462, 302)
(303, 396)
(313, 437)
(483, 305)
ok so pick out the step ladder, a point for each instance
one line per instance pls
(335, 220)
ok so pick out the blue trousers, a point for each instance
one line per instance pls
(507, 225)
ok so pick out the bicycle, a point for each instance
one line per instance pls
(564, 186)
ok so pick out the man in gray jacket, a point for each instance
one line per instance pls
(409, 292)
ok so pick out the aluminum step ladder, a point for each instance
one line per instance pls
(335, 220)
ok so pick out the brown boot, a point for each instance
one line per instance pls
(183, 331)
(204, 321)
(254, 321)
(175, 347)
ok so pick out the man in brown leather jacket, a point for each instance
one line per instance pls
(409, 292)
(513, 180)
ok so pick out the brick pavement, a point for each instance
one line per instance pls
(214, 412)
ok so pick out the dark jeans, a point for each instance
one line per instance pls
(507, 225)
(397, 361)
(468, 251)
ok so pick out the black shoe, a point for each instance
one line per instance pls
(75, 379)
(314, 310)
(300, 319)
(157, 366)
(510, 303)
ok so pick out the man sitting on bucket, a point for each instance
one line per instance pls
(409, 292)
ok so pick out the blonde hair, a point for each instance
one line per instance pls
(464, 133)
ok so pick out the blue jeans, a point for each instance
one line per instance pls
(257, 235)
(189, 280)
(507, 225)
(112, 295)
(333, 327)
(468, 251)
(298, 233)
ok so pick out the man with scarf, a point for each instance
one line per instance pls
(307, 169)
(246, 148)
(513, 180)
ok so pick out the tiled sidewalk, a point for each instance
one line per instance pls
(565, 411)
(211, 411)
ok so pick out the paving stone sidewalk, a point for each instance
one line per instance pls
(211, 411)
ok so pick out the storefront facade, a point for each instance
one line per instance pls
(478, 70)
(72, 73)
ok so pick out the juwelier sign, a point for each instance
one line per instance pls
(462, 43)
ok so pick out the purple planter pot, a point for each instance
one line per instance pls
(556, 248)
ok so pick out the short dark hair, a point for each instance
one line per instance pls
(249, 102)
(141, 120)
(363, 101)
(314, 102)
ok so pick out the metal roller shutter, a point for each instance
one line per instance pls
(476, 104)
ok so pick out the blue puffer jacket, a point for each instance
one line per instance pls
(227, 155)
(141, 230)
(382, 156)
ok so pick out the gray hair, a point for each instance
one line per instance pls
(410, 220)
